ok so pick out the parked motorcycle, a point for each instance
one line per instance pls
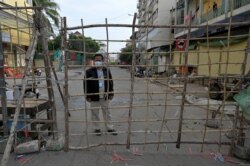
(37, 72)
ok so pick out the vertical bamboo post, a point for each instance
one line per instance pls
(185, 84)
(27, 16)
(209, 84)
(18, 36)
(132, 83)
(66, 84)
(84, 71)
(2, 87)
(225, 93)
(108, 78)
(147, 90)
(47, 63)
(164, 121)
(29, 57)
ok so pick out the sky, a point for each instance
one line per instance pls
(95, 12)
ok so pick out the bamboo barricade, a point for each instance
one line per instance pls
(24, 58)
(155, 107)
(166, 104)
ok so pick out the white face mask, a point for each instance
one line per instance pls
(98, 63)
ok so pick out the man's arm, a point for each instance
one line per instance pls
(86, 85)
(111, 86)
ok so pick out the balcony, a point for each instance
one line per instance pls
(143, 6)
(239, 3)
(213, 14)
(150, 9)
(221, 10)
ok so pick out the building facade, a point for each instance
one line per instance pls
(154, 43)
(16, 27)
(225, 49)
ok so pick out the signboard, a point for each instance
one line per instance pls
(180, 44)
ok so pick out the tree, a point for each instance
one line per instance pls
(50, 11)
(126, 54)
(76, 43)
(55, 44)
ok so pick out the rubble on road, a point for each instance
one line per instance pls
(229, 106)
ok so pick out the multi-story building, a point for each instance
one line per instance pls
(16, 27)
(154, 43)
(225, 56)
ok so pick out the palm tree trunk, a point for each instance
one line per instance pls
(51, 113)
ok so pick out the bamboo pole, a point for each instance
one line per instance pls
(84, 71)
(29, 57)
(18, 39)
(3, 86)
(157, 26)
(132, 85)
(147, 89)
(185, 84)
(149, 143)
(66, 85)
(209, 84)
(108, 70)
(47, 63)
(225, 96)
(26, 11)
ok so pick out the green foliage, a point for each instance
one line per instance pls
(126, 54)
(76, 42)
(51, 12)
(55, 44)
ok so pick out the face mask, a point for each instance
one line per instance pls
(98, 63)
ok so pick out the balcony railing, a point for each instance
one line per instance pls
(213, 14)
(221, 10)
(239, 3)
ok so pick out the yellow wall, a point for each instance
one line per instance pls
(11, 23)
(24, 38)
(215, 54)
(208, 5)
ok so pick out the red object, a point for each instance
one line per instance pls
(116, 157)
(180, 44)
(13, 72)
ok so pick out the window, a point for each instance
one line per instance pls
(29, 2)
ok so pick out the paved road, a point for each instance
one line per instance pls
(149, 108)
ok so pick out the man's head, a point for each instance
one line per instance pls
(98, 59)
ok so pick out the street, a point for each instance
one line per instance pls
(152, 139)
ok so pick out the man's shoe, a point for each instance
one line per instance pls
(112, 131)
(98, 132)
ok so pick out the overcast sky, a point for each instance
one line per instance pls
(95, 12)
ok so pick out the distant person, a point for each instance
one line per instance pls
(215, 9)
(98, 87)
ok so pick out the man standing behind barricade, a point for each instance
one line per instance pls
(98, 87)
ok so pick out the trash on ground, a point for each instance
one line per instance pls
(28, 147)
(55, 144)
(218, 157)
(229, 107)
(118, 158)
